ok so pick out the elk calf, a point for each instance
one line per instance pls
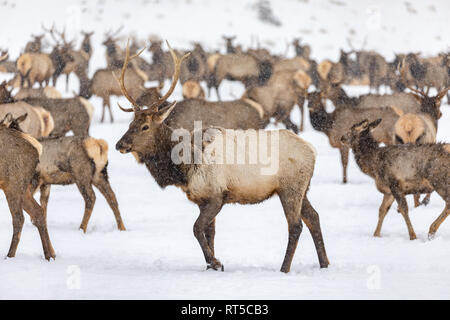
(76, 160)
(23, 151)
(338, 122)
(401, 169)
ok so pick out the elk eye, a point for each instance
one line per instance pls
(145, 127)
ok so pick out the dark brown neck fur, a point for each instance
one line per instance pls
(160, 164)
(365, 149)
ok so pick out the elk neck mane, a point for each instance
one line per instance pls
(160, 164)
(365, 148)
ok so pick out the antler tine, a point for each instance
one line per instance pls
(439, 95)
(51, 32)
(121, 81)
(177, 62)
(402, 73)
(4, 57)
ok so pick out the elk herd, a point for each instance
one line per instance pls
(37, 153)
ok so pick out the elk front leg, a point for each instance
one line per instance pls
(39, 220)
(89, 199)
(103, 109)
(15, 207)
(416, 200)
(111, 118)
(311, 218)
(403, 208)
(344, 159)
(384, 208)
(290, 125)
(208, 211)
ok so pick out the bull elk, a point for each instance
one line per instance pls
(211, 186)
(24, 151)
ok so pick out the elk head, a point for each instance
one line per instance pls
(357, 130)
(5, 94)
(13, 123)
(4, 56)
(430, 105)
(144, 132)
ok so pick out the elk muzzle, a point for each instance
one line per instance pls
(124, 145)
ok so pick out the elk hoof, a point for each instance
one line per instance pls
(82, 228)
(215, 265)
(425, 201)
(431, 235)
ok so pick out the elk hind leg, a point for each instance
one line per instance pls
(388, 199)
(435, 225)
(403, 208)
(102, 184)
(311, 218)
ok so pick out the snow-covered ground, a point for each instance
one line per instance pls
(158, 256)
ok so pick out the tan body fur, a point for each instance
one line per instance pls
(80, 161)
(35, 67)
(38, 123)
(47, 92)
(281, 93)
(192, 89)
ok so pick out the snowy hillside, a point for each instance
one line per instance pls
(158, 256)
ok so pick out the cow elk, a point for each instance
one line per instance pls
(35, 67)
(211, 186)
(23, 151)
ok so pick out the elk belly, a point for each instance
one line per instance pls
(246, 184)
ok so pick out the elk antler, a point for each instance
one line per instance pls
(177, 62)
(154, 107)
(401, 69)
(4, 57)
(441, 93)
(134, 106)
(111, 35)
(51, 31)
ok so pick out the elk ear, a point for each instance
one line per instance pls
(7, 119)
(442, 93)
(374, 124)
(162, 114)
(22, 118)
(358, 127)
